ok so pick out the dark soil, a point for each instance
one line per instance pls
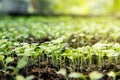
(42, 71)
(32, 39)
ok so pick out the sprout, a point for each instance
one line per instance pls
(112, 74)
(99, 46)
(111, 53)
(9, 59)
(2, 57)
(59, 40)
(21, 63)
(31, 77)
(16, 44)
(20, 77)
(73, 40)
(116, 45)
(62, 71)
(95, 75)
(81, 34)
(75, 75)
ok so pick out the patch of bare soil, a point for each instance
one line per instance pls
(32, 39)
(42, 72)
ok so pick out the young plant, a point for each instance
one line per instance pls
(95, 75)
(76, 75)
(20, 77)
(6, 62)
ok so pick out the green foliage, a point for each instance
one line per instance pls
(75, 75)
(20, 77)
(62, 71)
(21, 63)
(74, 41)
(8, 60)
(95, 75)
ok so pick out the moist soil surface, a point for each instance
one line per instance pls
(43, 70)
(32, 39)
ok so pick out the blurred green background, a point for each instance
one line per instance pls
(64, 7)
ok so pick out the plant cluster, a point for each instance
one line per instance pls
(76, 45)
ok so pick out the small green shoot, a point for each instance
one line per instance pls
(95, 75)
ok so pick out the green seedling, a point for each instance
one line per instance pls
(6, 62)
(20, 77)
(112, 74)
(20, 64)
(88, 37)
(95, 75)
(76, 75)
(2, 58)
(62, 71)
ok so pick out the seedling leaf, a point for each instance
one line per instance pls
(9, 59)
(95, 75)
(75, 75)
(21, 63)
(20, 77)
(30, 77)
(62, 71)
